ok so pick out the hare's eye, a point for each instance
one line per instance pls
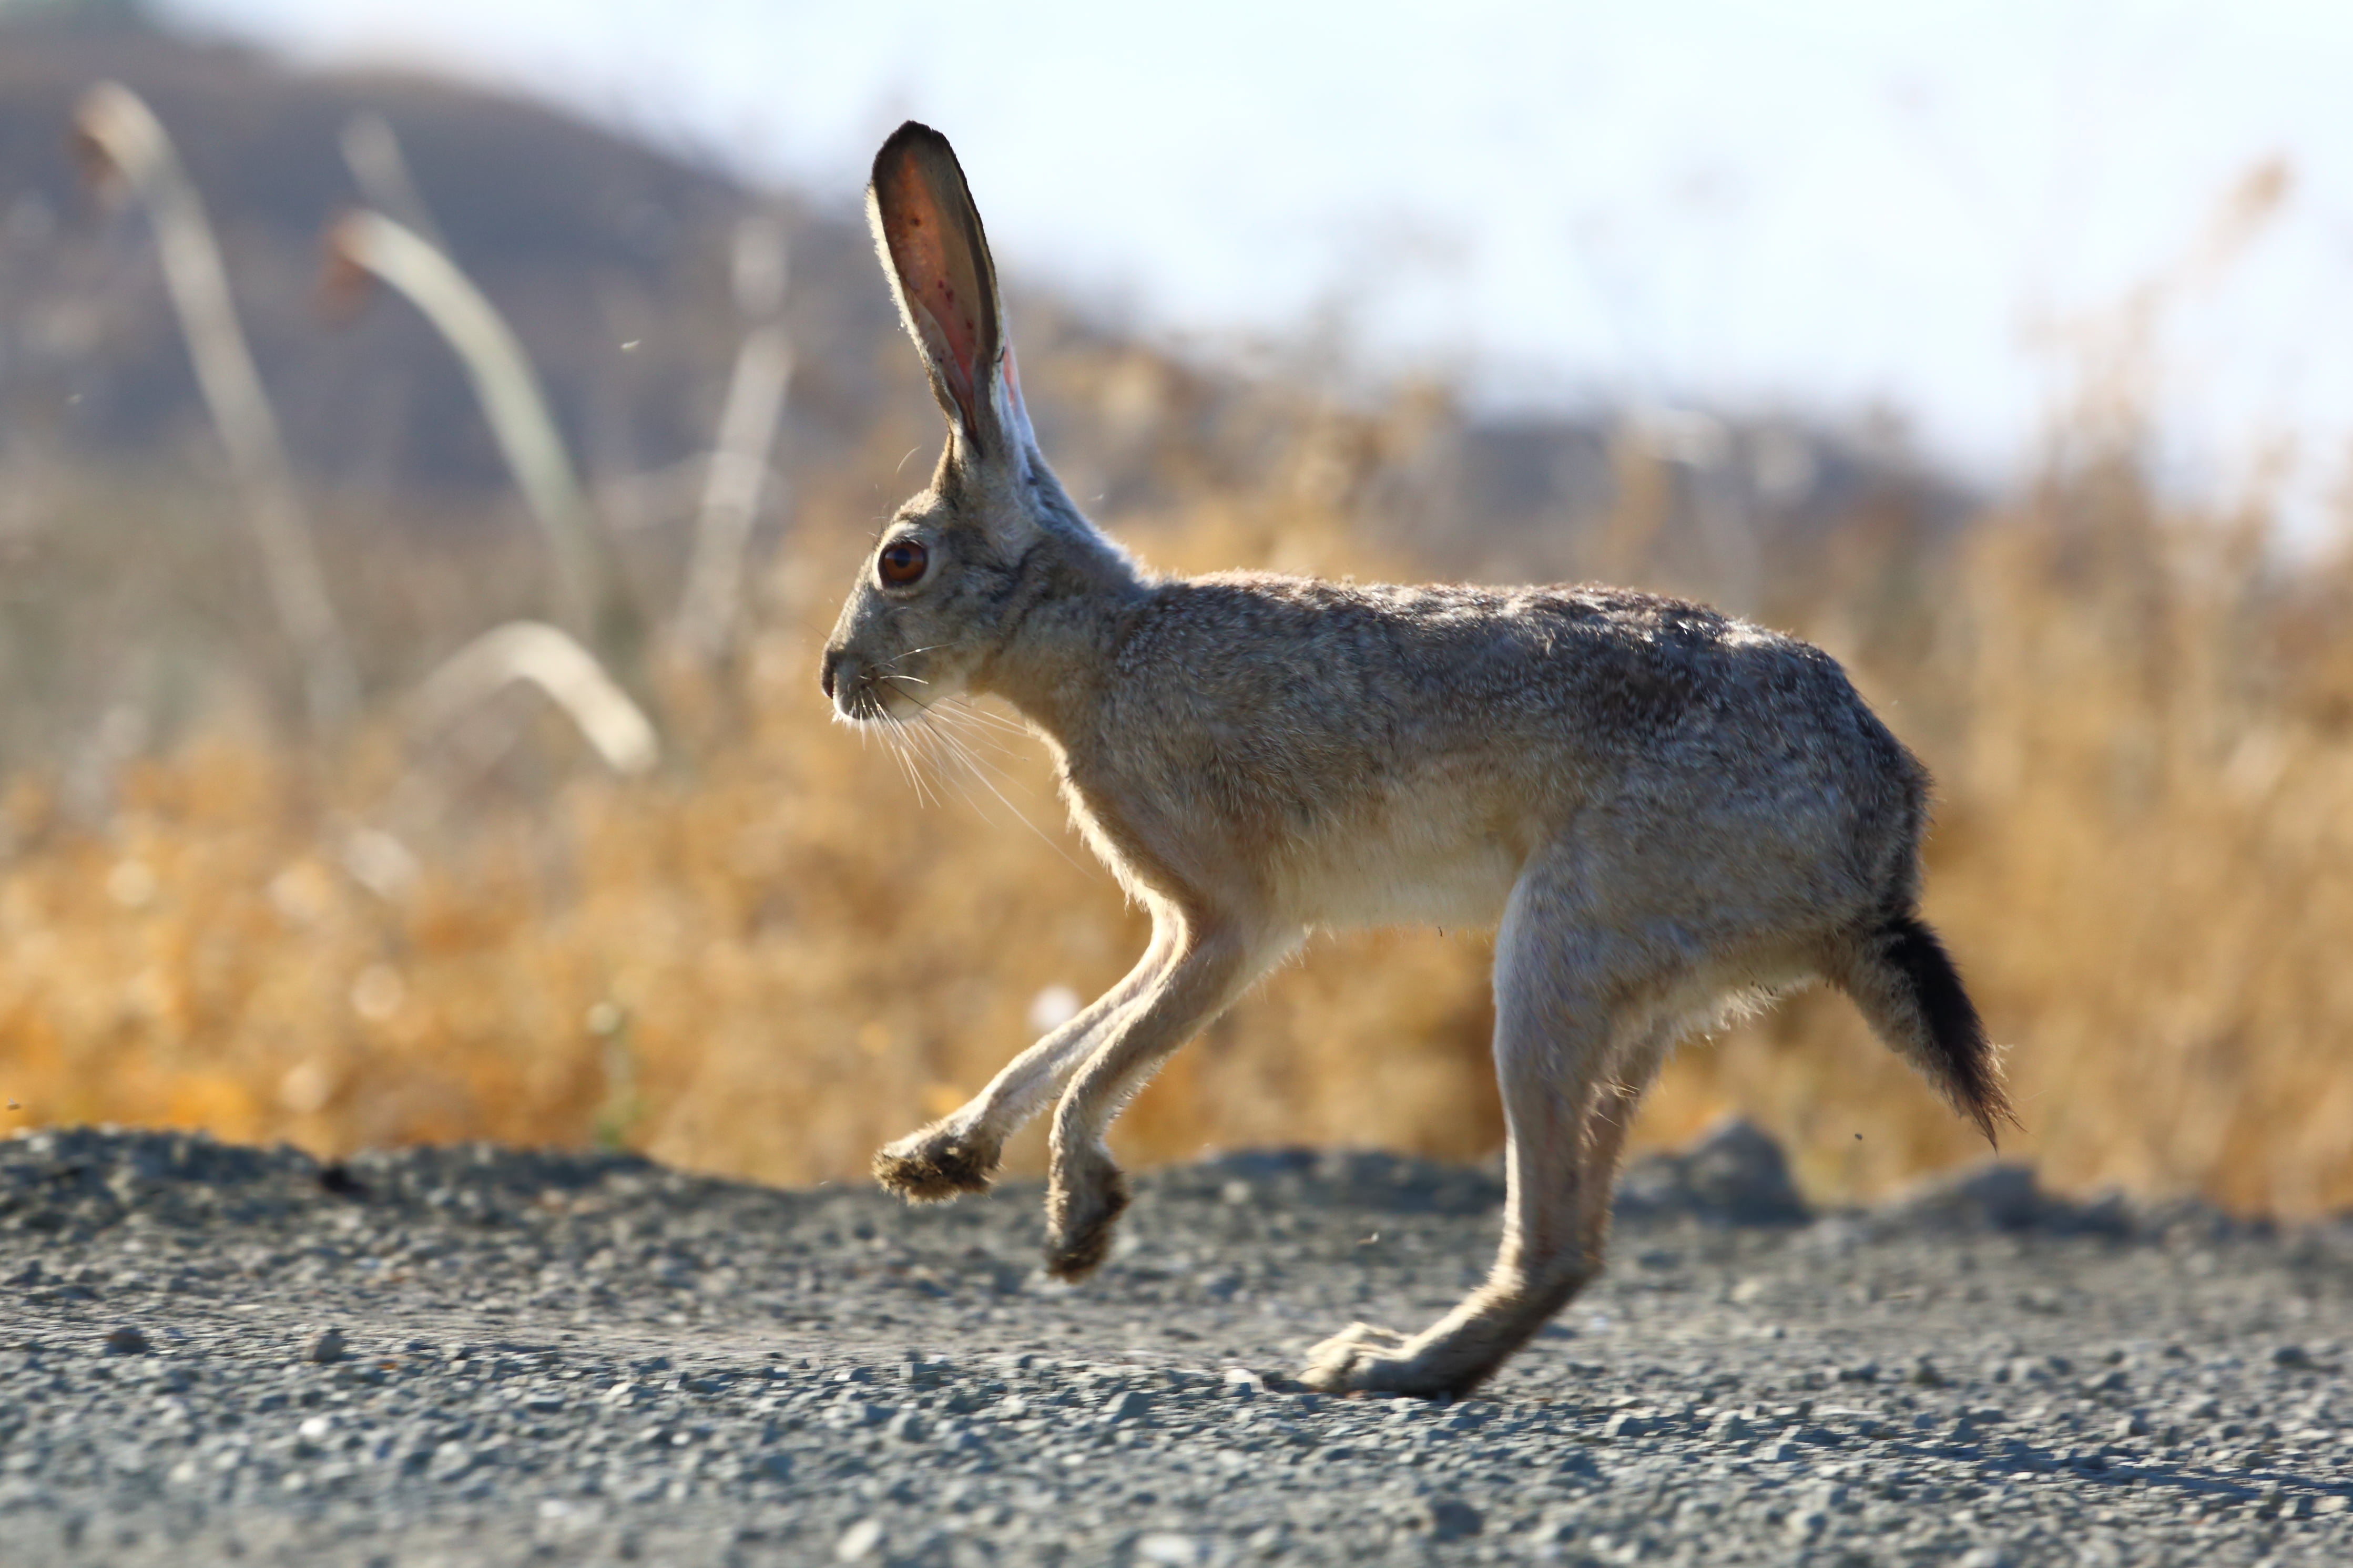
(901, 564)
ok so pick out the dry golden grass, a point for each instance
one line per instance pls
(772, 956)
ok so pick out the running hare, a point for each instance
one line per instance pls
(1668, 811)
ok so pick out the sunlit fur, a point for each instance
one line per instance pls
(1664, 811)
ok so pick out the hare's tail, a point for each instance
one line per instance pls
(1904, 982)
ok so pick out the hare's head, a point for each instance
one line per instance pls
(955, 574)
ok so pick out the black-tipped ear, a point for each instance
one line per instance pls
(928, 233)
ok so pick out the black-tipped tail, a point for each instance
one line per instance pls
(1904, 982)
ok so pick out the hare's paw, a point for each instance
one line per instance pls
(1364, 1336)
(1083, 1201)
(1362, 1358)
(935, 1165)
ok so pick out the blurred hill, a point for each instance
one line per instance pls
(586, 241)
(611, 259)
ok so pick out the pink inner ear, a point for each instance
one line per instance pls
(920, 242)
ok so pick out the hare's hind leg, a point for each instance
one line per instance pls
(1575, 1038)
(1214, 962)
(958, 1154)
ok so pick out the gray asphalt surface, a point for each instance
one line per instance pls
(215, 1354)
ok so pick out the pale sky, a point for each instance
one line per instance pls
(1814, 205)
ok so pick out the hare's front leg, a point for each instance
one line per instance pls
(958, 1154)
(1565, 1106)
(1214, 960)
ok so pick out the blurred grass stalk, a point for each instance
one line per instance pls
(123, 141)
(712, 605)
(590, 596)
(549, 660)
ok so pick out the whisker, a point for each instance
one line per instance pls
(977, 771)
(928, 648)
(971, 709)
(955, 720)
(894, 738)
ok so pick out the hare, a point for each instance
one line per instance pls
(1663, 811)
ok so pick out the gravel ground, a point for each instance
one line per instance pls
(473, 1355)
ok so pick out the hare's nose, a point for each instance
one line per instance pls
(826, 672)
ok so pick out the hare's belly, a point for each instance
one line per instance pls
(1437, 878)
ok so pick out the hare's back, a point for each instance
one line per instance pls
(1606, 671)
(1549, 696)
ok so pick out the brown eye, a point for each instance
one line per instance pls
(901, 564)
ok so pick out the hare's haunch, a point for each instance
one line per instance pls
(1667, 812)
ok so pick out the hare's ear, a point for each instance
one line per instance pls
(929, 236)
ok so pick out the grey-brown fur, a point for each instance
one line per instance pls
(1666, 813)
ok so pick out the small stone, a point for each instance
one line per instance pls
(1729, 1428)
(1779, 1452)
(1806, 1523)
(776, 1466)
(1451, 1518)
(909, 1427)
(2294, 1357)
(2132, 1424)
(1169, 1549)
(858, 1541)
(127, 1340)
(1129, 1404)
(1627, 1424)
(328, 1348)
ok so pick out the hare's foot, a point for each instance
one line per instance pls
(1084, 1198)
(936, 1164)
(1362, 1358)
(1337, 1350)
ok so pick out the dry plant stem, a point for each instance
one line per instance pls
(712, 605)
(122, 132)
(588, 587)
(544, 656)
(381, 171)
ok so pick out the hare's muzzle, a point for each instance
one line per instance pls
(833, 657)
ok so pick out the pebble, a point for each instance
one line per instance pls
(1451, 1519)
(127, 1340)
(1627, 1424)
